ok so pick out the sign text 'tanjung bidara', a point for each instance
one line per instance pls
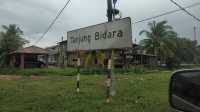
(110, 35)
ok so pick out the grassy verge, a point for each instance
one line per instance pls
(72, 71)
(39, 72)
(135, 93)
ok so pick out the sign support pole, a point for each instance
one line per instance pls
(109, 67)
(113, 92)
(109, 80)
(78, 74)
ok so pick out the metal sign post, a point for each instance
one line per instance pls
(109, 67)
(113, 91)
(78, 74)
(109, 79)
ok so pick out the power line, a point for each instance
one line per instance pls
(185, 10)
(167, 13)
(53, 22)
(150, 18)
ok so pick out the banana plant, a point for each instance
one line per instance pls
(92, 56)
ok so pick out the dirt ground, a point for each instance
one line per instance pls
(15, 77)
(9, 77)
(33, 77)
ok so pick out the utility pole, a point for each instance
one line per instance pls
(109, 10)
(195, 34)
(63, 55)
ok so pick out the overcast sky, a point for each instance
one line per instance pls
(34, 16)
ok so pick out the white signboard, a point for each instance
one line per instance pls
(110, 35)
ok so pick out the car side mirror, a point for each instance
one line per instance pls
(184, 91)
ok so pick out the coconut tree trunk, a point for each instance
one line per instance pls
(156, 55)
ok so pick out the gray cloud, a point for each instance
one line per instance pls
(34, 16)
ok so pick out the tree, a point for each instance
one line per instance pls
(187, 50)
(158, 40)
(10, 41)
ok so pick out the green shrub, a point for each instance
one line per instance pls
(73, 71)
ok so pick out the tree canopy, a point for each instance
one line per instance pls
(10, 40)
(162, 41)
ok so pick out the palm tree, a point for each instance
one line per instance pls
(158, 40)
(10, 41)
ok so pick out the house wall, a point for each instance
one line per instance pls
(53, 55)
(62, 54)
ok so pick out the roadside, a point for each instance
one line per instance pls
(135, 92)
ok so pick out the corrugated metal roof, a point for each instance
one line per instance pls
(31, 50)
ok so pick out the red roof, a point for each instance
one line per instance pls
(31, 50)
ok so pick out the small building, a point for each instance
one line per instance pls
(53, 58)
(63, 54)
(29, 57)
